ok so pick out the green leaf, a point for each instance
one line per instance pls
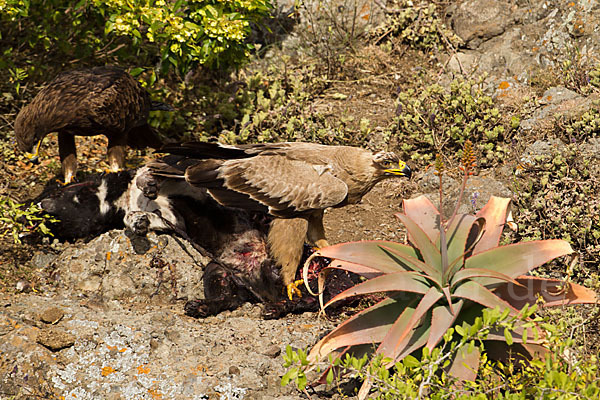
(508, 336)
(329, 378)
(136, 71)
(410, 362)
(288, 376)
(301, 381)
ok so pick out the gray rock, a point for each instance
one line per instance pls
(40, 260)
(51, 315)
(516, 38)
(55, 338)
(476, 21)
(111, 352)
(115, 266)
(558, 94)
(477, 192)
(557, 102)
(591, 148)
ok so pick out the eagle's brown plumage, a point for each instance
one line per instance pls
(100, 100)
(293, 181)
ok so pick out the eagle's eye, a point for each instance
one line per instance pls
(388, 163)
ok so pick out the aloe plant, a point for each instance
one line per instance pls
(446, 274)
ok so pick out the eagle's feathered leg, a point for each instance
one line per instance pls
(116, 152)
(286, 240)
(68, 155)
(316, 230)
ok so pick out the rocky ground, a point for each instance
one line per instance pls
(95, 321)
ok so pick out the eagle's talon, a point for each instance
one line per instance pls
(292, 288)
(111, 170)
(66, 182)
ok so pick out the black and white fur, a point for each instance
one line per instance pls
(236, 240)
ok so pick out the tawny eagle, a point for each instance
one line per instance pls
(96, 101)
(294, 182)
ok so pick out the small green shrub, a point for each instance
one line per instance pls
(434, 118)
(16, 219)
(418, 25)
(559, 198)
(563, 373)
(582, 127)
(264, 107)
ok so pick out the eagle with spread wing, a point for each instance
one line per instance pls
(96, 101)
(294, 182)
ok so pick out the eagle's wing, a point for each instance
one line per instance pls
(287, 187)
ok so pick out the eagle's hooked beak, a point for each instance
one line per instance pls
(402, 170)
(34, 157)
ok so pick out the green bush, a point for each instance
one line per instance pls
(435, 118)
(418, 25)
(16, 219)
(264, 107)
(178, 34)
(558, 198)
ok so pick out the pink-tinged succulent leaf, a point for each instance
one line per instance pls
(335, 265)
(517, 259)
(554, 292)
(479, 294)
(448, 295)
(361, 270)
(494, 213)
(406, 281)
(394, 342)
(413, 264)
(416, 340)
(465, 364)
(470, 273)
(442, 319)
(473, 235)
(457, 234)
(425, 214)
(369, 253)
(368, 326)
(430, 253)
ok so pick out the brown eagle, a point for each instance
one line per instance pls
(294, 182)
(88, 102)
